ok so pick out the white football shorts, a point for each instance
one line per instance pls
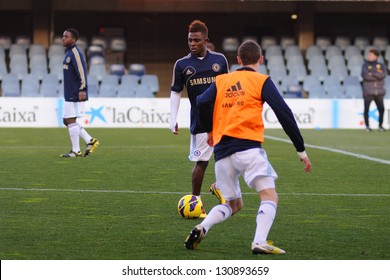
(74, 109)
(199, 149)
(252, 165)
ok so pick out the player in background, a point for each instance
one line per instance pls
(196, 72)
(237, 132)
(75, 93)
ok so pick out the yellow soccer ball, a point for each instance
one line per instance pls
(190, 206)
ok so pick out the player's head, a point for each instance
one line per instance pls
(373, 54)
(198, 38)
(70, 37)
(249, 53)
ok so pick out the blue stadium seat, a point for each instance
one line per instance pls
(351, 81)
(311, 81)
(36, 49)
(342, 41)
(49, 86)
(361, 42)
(126, 90)
(275, 61)
(313, 50)
(109, 86)
(143, 91)
(273, 50)
(30, 86)
(332, 51)
(323, 42)
(131, 80)
(353, 91)
(99, 41)
(151, 80)
(230, 44)
(56, 50)
(267, 41)
(293, 50)
(287, 41)
(299, 71)
(317, 91)
(92, 85)
(99, 70)
(118, 69)
(287, 81)
(10, 86)
(334, 91)
(5, 42)
(118, 44)
(381, 42)
(137, 69)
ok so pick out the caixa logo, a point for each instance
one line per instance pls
(138, 115)
(301, 118)
(17, 116)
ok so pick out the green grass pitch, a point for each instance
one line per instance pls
(121, 203)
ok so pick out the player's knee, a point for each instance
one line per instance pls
(269, 195)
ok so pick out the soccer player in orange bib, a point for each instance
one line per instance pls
(231, 112)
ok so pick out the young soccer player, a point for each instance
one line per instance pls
(196, 72)
(237, 132)
(75, 93)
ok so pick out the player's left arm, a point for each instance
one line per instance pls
(271, 95)
(80, 67)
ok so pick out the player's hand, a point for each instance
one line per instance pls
(82, 95)
(210, 139)
(175, 129)
(305, 159)
(307, 163)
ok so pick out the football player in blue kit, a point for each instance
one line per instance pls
(196, 72)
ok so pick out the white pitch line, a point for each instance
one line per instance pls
(361, 156)
(181, 193)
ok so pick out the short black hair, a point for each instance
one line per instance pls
(249, 52)
(374, 51)
(74, 32)
(198, 26)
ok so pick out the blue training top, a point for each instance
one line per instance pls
(197, 75)
(75, 74)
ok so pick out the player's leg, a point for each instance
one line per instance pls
(200, 154)
(260, 175)
(264, 220)
(228, 178)
(197, 176)
(73, 110)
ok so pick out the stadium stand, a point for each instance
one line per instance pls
(109, 86)
(230, 44)
(151, 81)
(49, 86)
(10, 86)
(30, 86)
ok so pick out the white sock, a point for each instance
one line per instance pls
(264, 220)
(74, 133)
(218, 214)
(84, 134)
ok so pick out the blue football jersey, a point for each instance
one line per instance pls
(197, 75)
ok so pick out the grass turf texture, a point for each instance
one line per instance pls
(120, 203)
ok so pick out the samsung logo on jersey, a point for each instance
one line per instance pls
(202, 81)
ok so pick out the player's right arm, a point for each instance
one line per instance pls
(176, 90)
(175, 104)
